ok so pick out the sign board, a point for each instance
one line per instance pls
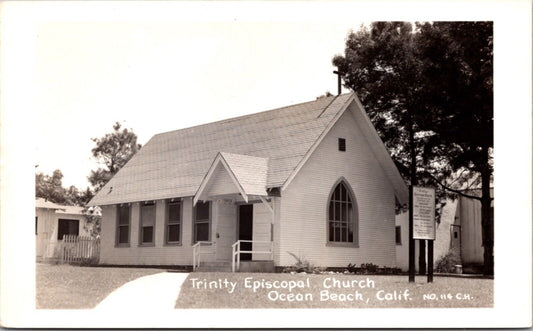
(423, 213)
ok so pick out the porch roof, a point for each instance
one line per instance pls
(248, 174)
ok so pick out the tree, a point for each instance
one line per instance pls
(419, 89)
(381, 65)
(51, 188)
(113, 151)
(459, 62)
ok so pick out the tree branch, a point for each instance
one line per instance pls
(454, 190)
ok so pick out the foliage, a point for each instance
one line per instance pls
(460, 65)
(371, 269)
(113, 151)
(93, 221)
(325, 95)
(446, 263)
(428, 91)
(302, 265)
(51, 188)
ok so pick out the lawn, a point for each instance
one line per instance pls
(227, 290)
(74, 287)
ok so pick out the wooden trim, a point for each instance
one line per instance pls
(167, 203)
(203, 183)
(141, 204)
(383, 157)
(318, 141)
(210, 222)
(234, 178)
(219, 159)
(117, 221)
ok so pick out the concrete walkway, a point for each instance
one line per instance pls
(149, 293)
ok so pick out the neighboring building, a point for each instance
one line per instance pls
(52, 222)
(312, 180)
(465, 232)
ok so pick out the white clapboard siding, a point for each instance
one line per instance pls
(469, 214)
(303, 219)
(160, 254)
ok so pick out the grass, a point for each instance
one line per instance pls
(74, 287)
(444, 292)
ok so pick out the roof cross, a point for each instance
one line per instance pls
(336, 72)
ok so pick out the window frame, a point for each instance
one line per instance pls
(195, 222)
(167, 223)
(355, 217)
(118, 225)
(141, 227)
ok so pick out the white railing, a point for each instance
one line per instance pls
(236, 252)
(197, 253)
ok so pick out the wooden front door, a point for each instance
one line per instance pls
(246, 213)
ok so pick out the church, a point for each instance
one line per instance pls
(311, 181)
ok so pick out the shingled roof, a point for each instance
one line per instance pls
(173, 164)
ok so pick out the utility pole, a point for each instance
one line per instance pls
(413, 182)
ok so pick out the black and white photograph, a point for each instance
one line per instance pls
(265, 164)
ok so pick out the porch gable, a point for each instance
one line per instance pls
(234, 175)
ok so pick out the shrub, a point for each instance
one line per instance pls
(446, 263)
(370, 269)
(302, 265)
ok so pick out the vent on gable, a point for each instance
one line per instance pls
(342, 144)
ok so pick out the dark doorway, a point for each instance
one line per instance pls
(246, 213)
(67, 227)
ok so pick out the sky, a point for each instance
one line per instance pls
(162, 66)
(158, 76)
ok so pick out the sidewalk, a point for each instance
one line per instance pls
(153, 293)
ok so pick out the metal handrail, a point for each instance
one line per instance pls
(236, 252)
(197, 253)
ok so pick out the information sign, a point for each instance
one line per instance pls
(423, 213)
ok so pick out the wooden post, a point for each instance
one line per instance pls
(430, 261)
(422, 257)
(411, 240)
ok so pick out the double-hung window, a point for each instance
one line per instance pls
(147, 223)
(173, 220)
(202, 221)
(123, 225)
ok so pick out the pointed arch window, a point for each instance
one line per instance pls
(342, 215)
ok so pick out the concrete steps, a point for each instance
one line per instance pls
(221, 266)
(257, 266)
(246, 266)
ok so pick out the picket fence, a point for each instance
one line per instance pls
(79, 250)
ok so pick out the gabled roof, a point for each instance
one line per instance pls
(174, 164)
(248, 174)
